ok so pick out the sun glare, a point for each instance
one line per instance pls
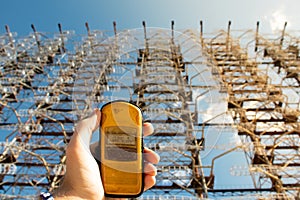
(277, 20)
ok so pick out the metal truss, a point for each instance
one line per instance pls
(50, 81)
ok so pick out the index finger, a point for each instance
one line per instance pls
(148, 128)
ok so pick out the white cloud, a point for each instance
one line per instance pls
(277, 19)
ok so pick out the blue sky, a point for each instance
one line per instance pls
(129, 14)
(72, 14)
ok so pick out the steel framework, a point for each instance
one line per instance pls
(50, 81)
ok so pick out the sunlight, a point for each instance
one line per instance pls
(277, 20)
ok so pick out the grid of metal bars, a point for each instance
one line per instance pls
(50, 81)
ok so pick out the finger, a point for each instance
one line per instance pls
(87, 126)
(151, 156)
(150, 169)
(147, 129)
(149, 181)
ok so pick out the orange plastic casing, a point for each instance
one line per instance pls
(121, 142)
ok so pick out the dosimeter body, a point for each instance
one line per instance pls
(121, 142)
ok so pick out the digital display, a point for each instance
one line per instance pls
(120, 143)
(120, 139)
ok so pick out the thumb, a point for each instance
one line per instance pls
(85, 128)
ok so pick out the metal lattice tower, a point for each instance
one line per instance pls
(50, 81)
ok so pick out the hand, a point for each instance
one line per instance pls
(82, 179)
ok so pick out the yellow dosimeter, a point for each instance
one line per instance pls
(121, 142)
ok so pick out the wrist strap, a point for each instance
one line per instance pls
(46, 196)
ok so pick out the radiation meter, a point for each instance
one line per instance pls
(121, 143)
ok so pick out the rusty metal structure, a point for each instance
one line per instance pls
(196, 88)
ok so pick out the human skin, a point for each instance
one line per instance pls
(82, 179)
